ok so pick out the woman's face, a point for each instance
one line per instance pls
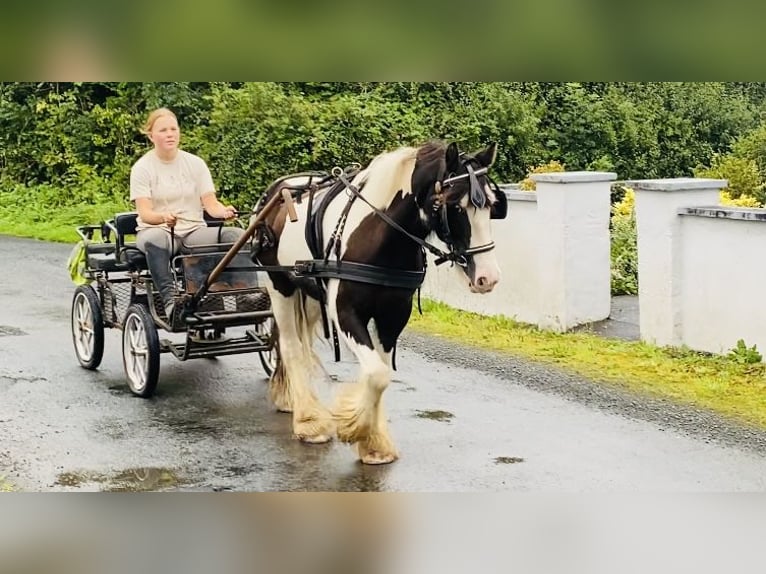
(165, 134)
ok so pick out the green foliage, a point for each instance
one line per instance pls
(48, 212)
(624, 247)
(83, 137)
(742, 174)
(644, 130)
(5, 485)
(752, 146)
(261, 131)
(744, 355)
(553, 166)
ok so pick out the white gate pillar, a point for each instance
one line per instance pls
(573, 247)
(659, 262)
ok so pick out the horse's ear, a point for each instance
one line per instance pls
(487, 156)
(452, 157)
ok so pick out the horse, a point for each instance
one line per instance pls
(355, 258)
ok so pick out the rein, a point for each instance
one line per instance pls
(458, 257)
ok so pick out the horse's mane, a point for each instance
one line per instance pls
(432, 152)
(390, 172)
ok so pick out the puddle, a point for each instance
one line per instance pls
(142, 479)
(508, 459)
(441, 416)
(8, 331)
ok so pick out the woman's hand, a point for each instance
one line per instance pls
(229, 212)
(169, 219)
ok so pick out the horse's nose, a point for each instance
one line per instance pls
(485, 284)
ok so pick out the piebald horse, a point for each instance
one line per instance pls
(366, 262)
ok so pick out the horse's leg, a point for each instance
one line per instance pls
(290, 387)
(385, 330)
(374, 449)
(359, 412)
(279, 390)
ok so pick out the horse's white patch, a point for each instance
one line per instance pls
(383, 178)
(486, 269)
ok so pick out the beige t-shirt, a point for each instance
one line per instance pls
(175, 186)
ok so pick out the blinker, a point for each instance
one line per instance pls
(478, 197)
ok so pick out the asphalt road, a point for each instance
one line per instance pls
(463, 420)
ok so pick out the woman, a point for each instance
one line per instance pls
(171, 188)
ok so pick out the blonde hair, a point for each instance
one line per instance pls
(153, 117)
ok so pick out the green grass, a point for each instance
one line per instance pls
(719, 383)
(55, 224)
(6, 486)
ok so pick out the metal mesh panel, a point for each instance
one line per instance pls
(257, 300)
(116, 297)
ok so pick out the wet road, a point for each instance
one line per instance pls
(477, 422)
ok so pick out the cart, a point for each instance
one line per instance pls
(224, 307)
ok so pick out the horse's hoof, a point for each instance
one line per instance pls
(378, 458)
(316, 439)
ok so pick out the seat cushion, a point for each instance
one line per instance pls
(131, 256)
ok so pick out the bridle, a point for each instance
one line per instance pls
(456, 255)
(478, 198)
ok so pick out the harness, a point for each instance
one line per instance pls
(324, 267)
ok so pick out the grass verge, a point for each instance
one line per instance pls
(57, 224)
(6, 486)
(726, 384)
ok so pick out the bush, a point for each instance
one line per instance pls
(744, 179)
(624, 247)
(553, 166)
(261, 131)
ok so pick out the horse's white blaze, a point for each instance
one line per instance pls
(486, 269)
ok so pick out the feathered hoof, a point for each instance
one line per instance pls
(381, 453)
(376, 457)
(316, 439)
(314, 430)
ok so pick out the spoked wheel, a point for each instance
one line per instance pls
(140, 351)
(87, 327)
(269, 359)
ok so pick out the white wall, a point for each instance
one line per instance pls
(723, 278)
(659, 263)
(700, 271)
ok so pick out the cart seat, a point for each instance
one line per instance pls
(101, 257)
(127, 253)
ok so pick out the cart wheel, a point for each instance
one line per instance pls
(87, 327)
(140, 351)
(269, 359)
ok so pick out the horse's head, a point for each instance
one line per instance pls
(459, 205)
